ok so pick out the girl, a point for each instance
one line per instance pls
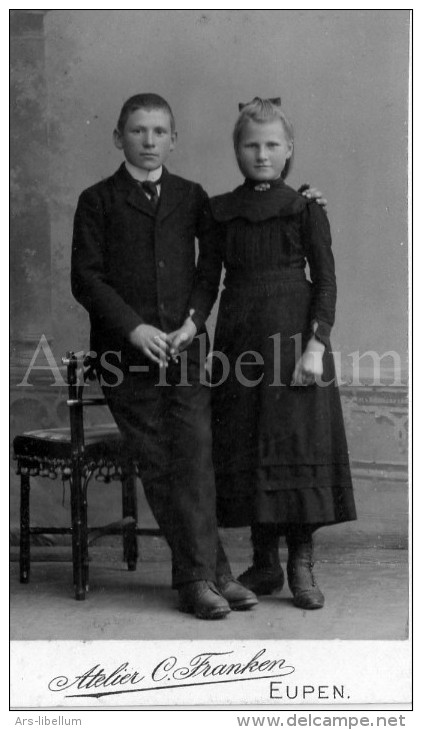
(280, 451)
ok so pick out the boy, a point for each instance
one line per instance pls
(133, 268)
(133, 265)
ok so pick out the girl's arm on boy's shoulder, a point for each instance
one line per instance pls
(318, 250)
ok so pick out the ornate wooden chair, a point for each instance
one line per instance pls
(77, 454)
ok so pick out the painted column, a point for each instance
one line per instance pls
(30, 250)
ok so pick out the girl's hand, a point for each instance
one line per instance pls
(181, 339)
(152, 342)
(309, 366)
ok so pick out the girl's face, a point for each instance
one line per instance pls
(263, 150)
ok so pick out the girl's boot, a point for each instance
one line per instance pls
(266, 575)
(300, 577)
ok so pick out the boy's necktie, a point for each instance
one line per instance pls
(151, 189)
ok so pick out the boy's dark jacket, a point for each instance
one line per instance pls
(132, 265)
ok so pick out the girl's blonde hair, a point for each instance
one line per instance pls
(261, 111)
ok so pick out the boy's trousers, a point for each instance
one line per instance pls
(167, 428)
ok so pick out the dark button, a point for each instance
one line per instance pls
(162, 306)
(161, 264)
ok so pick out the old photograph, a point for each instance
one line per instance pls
(209, 356)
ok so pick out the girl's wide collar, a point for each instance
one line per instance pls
(277, 200)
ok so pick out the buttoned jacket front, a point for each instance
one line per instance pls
(132, 264)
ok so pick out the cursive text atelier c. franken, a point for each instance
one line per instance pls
(207, 665)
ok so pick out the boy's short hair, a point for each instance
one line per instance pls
(144, 101)
(263, 110)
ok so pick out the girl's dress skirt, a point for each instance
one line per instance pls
(280, 451)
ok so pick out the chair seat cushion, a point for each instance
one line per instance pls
(101, 442)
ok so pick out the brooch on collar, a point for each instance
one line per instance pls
(262, 186)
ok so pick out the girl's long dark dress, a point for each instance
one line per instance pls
(280, 451)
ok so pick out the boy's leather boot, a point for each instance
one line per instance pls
(202, 598)
(238, 596)
(266, 575)
(300, 577)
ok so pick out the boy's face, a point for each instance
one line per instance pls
(263, 150)
(147, 139)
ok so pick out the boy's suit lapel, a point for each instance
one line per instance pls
(172, 194)
(139, 200)
(134, 195)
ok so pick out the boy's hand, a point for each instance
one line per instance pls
(309, 366)
(152, 342)
(313, 194)
(180, 339)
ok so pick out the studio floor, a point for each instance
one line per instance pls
(366, 592)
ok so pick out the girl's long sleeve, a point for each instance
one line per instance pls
(317, 241)
(208, 270)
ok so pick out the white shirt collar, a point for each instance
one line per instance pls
(140, 174)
